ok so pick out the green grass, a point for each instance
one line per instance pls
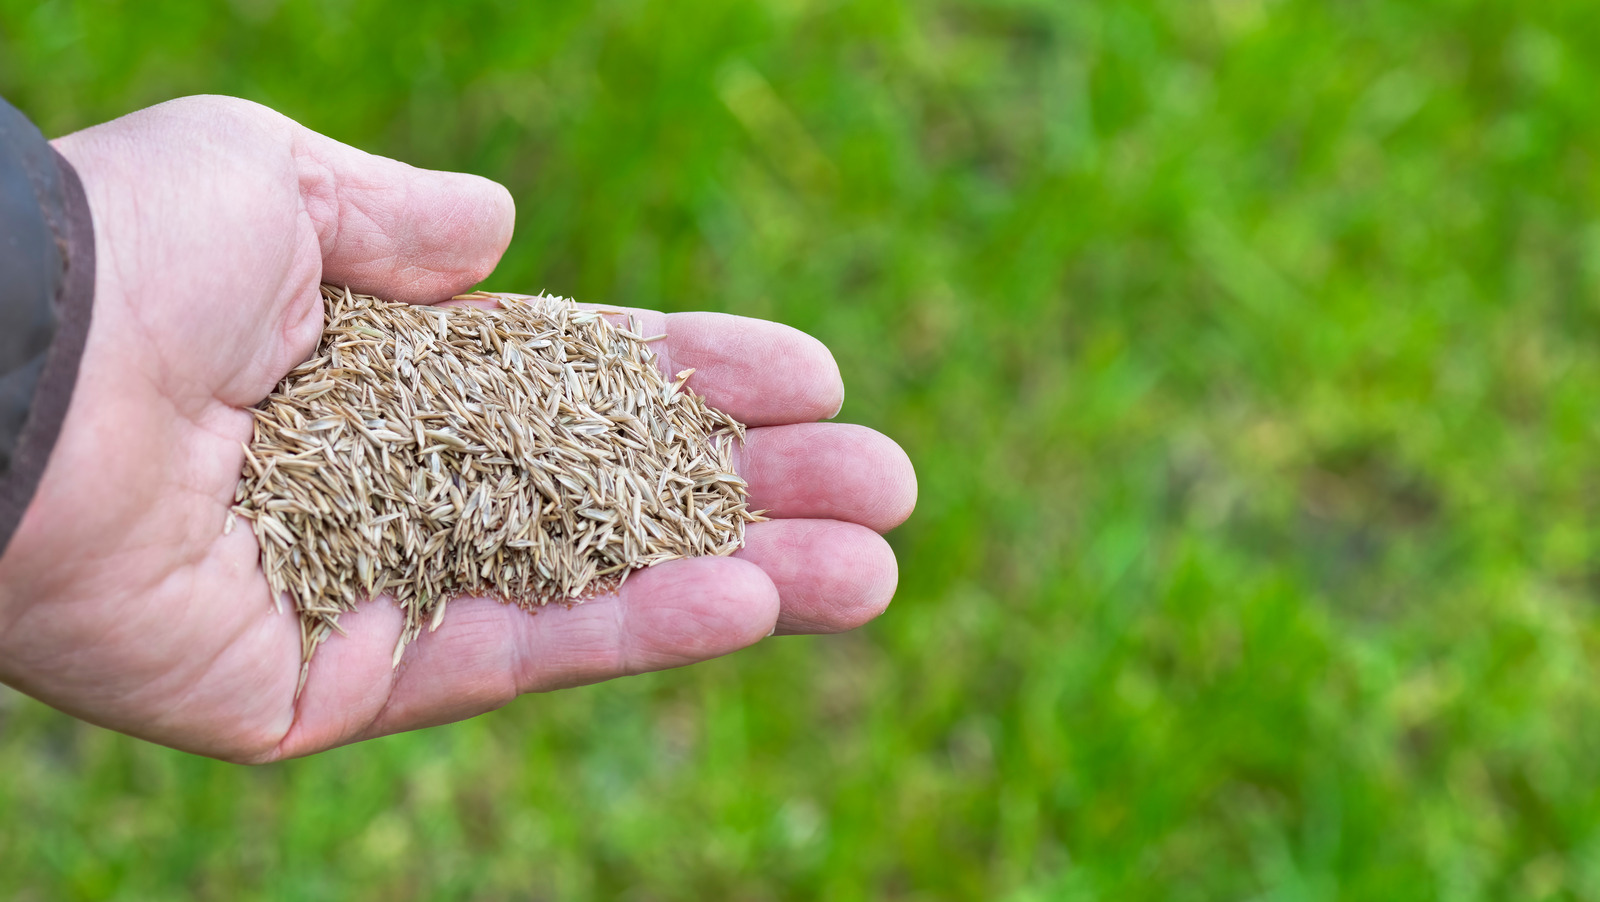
(1249, 354)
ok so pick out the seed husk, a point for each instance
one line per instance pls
(532, 452)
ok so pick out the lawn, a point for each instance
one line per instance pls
(1246, 349)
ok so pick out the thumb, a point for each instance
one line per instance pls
(397, 231)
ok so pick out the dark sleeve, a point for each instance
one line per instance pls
(46, 297)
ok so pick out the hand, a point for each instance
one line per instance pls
(122, 602)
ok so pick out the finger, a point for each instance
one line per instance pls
(828, 471)
(485, 652)
(831, 576)
(397, 231)
(759, 372)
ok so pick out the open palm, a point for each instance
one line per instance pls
(122, 601)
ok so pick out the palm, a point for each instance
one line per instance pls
(160, 625)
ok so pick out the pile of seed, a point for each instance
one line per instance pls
(523, 449)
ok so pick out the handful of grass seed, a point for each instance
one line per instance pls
(532, 453)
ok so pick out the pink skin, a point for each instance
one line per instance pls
(122, 602)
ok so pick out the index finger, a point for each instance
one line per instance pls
(759, 372)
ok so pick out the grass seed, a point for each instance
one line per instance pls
(533, 452)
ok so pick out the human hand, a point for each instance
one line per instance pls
(122, 602)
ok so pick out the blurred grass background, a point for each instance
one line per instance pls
(1247, 353)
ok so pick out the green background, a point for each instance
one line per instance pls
(1247, 354)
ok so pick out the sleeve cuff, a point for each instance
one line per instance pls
(46, 301)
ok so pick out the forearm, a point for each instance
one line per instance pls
(46, 299)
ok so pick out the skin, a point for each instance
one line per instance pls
(122, 602)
